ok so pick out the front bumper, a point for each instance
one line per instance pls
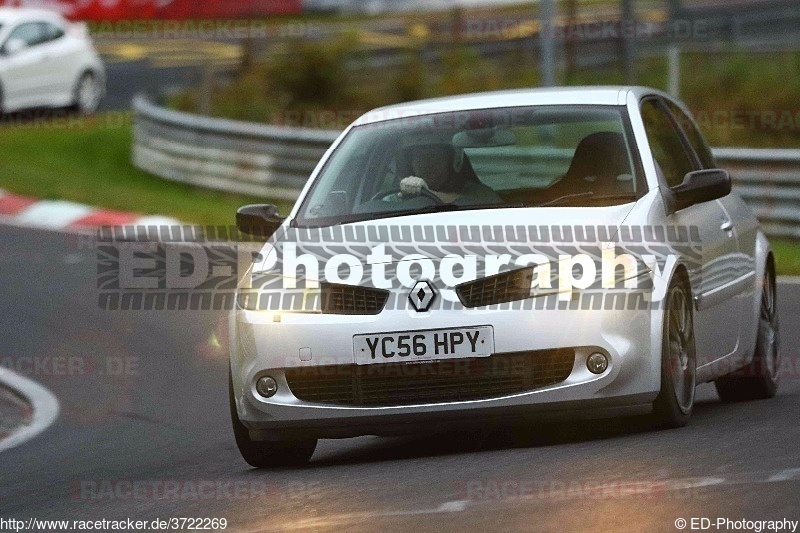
(260, 345)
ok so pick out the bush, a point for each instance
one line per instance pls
(316, 77)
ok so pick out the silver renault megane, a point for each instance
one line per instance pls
(565, 252)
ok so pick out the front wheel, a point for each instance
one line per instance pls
(674, 405)
(759, 379)
(267, 454)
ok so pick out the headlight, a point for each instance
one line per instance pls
(268, 292)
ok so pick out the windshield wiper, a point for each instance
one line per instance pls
(439, 208)
(363, 217)
(589, 195)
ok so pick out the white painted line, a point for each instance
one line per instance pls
(460, 506)
(693, 483)
(155, 221)
(326, 522)
(45, 408)
(49, 214)
(454, 506)
(789, 280)
(785, 475)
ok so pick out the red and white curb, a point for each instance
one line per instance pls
(69, 216)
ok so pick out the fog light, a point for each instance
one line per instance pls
(266, 387)
(597, 363)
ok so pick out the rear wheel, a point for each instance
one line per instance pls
(674, 404)
(759, 379)
(267, 454)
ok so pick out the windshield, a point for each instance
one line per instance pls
(499, 158)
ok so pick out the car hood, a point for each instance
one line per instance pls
(438, 235)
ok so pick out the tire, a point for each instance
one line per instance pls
(268, 454)
(758, 380)
(675, 402)
(87, 94)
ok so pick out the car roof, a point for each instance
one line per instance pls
(592, 95)
(11, 15)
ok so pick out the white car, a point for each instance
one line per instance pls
(562, 252)
(47, 61)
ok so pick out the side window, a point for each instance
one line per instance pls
(666, 143)
(51, 31)
(30, 32)
(693, 134)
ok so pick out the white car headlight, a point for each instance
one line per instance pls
(267, 292)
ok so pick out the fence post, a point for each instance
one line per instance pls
(674, 76)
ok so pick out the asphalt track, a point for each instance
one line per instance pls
(144, 433)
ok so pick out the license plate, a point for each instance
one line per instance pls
(424, 345)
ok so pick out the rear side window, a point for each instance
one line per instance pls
(51, 31)
(693, 134)
(666, 143)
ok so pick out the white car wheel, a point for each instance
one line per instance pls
(260, 454)
(759, 379)
(674, 405)
(87, 94)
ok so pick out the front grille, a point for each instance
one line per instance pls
(499, 289)
(352, 300)
(456, 380)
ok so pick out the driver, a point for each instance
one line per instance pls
(432, 166)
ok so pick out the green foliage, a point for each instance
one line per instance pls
(744, 99)
(739, 99)
(312, 73)
(89, 161)
(411, 80)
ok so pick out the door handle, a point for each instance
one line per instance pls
(727, 225)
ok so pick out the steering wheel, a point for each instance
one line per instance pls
(423, 192)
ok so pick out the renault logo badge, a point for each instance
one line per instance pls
(422, 296)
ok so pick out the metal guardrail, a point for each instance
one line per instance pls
(275, 162)
(769, 181)
(227, 155)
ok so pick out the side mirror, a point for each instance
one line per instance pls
(14, 46)
(260, 220)
(700, 186)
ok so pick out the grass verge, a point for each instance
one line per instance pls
(89, 161)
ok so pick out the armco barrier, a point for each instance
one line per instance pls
(275, 162)
(769, 180)
(227, 155)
